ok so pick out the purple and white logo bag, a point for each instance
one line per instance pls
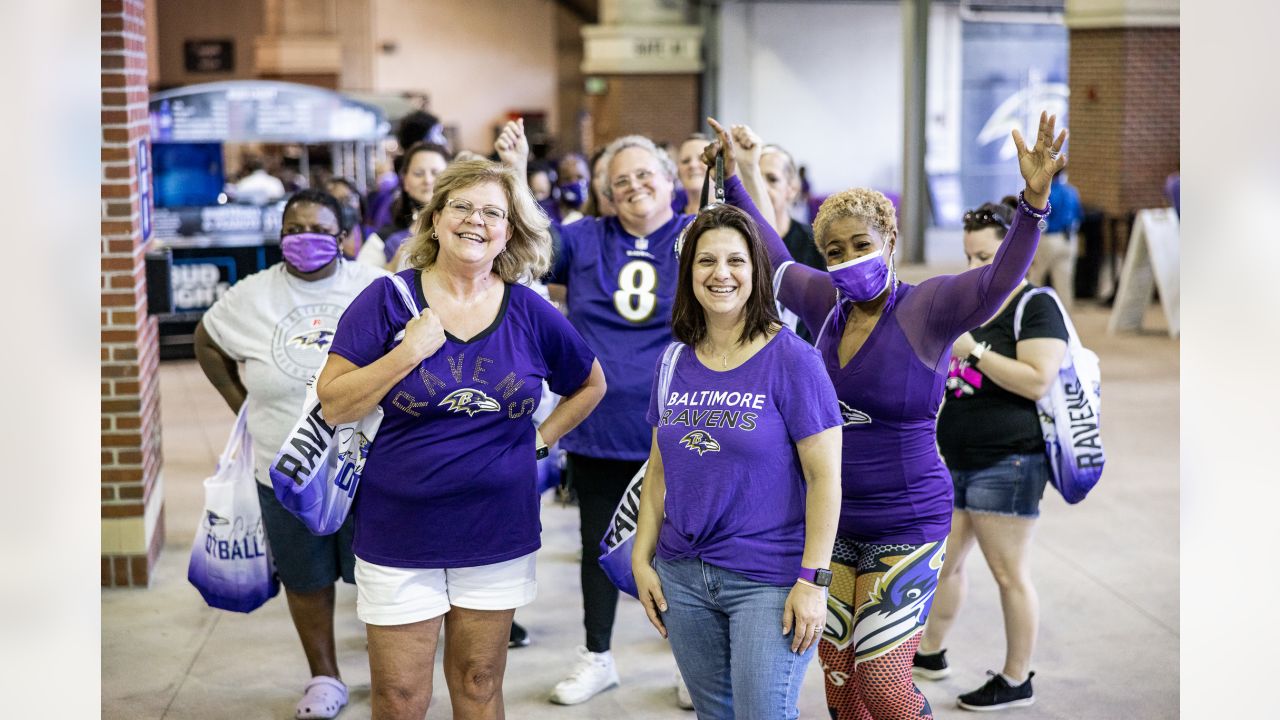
(620, 538)
(1070, 413)
(230, 562)
(318, 468)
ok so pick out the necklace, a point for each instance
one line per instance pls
(724, 356)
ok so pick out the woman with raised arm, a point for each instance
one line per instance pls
(886, 346)
(619, 275)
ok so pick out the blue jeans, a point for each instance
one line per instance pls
(726, 634)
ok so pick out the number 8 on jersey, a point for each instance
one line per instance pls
(635, 299)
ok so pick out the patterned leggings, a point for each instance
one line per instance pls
(880, 598)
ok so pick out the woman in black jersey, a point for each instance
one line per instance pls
(989, 435)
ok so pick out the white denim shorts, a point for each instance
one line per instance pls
(399, 596)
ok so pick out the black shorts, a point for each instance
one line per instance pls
(306, 563)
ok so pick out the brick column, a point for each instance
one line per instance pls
(132, 495)
(650, 62)
(1124, 101)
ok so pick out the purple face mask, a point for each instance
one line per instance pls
(861, 279)
(574, 194)
(308, 252)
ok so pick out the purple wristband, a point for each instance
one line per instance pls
(1039, 215)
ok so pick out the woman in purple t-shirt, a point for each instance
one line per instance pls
(886, 346)
(742, 493)
(447, 513)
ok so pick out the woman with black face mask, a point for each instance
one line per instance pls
(279, 322)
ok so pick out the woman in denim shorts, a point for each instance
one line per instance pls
(989, 435)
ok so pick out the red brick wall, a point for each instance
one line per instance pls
(130, 399)
(1124, 111)
(662, 107)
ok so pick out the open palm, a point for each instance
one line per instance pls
(1044, 159)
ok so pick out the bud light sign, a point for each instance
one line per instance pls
(200, 282)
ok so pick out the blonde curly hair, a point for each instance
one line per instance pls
(864, 203)
(528, 251)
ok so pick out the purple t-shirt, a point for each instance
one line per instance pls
(620, 292)
(735, 487)
(451, 478)
(895, 486)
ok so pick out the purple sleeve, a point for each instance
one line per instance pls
(805, 291)
(365, 326)
(806, 398)
(567, 357)
(955, 304)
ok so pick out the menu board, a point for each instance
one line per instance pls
(261, 111)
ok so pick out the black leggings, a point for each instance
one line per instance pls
(600, 484)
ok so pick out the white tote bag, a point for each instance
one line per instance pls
(230, 562)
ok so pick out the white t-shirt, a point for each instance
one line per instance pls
(259, 187)
(280, 327)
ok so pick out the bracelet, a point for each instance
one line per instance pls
(976, 353)
(812, 585)
(1040, 215)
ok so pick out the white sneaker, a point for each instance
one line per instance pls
(682, 693)
(593, 674)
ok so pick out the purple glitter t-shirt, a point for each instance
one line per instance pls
(451, 478)
(735, 487)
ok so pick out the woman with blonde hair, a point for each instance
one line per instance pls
(447, 515)
(886, 346)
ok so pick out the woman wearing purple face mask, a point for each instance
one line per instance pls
(574, 187)
(279, 323)
(886, 346)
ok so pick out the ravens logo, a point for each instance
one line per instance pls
(318, 339)
(853, 417)
(700, 441)
(470, 402)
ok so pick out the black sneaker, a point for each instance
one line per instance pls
(998, 694)
(519, 636)
(932, 666)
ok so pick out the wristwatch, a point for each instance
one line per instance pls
(818, 576)
(977, 352)
(543, 450)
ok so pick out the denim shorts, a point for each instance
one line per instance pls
(1013, 486)
(306, 563)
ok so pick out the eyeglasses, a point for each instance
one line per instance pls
(489, 214)
(622, 182)
(978, 219)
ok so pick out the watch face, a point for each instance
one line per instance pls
(822, 578)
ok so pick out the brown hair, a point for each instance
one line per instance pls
(528, 252)
(688, 318)
(996, 215)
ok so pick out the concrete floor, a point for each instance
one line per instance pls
(1107, 572)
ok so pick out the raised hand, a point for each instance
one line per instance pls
(723, 141)
(747, 146)
(512, 145)
(1040, 163)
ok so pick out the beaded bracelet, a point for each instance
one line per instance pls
(1026, 208)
